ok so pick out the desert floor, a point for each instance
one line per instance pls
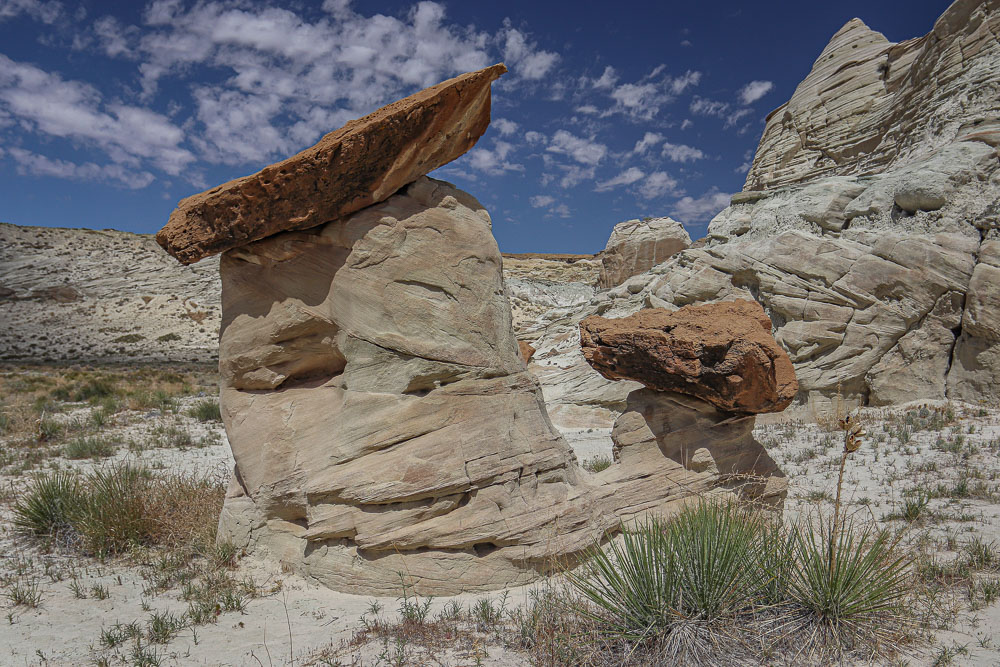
(929, 470)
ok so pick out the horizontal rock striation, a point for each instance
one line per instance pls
(358, 165)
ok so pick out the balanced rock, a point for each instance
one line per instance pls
(356, 166)
(636, 246)
(722, 353)
(380, 415)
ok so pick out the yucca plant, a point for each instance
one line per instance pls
(113, 517)
(630, 588)
(855, 588)
(718, 552)
(50, 504)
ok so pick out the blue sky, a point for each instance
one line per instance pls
(112, 112)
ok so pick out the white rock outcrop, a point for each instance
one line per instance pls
(636, 246)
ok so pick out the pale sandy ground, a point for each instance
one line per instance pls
(295, 617)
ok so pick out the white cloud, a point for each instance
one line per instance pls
(524, 57)
(116, 174)
(584, 151)
(690, 209)
(550, 204)
(345, 63)
(47, 104)
(533, 137)
(681, 153)
(705, 107)
(686, 123)
(607, 80)
(588, 109)
(657, 184)
(46, 12)
(683, 82)
(504, 126)
(562, 210)
(627, 177)
(648, 140)
(574, 175)
(754, 90)
(113, 37)
(493, 162)
(644, 99)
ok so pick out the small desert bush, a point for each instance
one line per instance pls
(206, 411)
(851, 584)
(597, 464)
(120, 507)
(92, 447)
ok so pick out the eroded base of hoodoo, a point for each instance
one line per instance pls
(385, 428)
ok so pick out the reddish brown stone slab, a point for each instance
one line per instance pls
(722, 353)
(358, 165)
(526, 350)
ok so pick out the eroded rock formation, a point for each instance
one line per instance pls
(869, 104)
(383, 421)
(636, 246)
(379, 411)
(708, 370)
(385, 427)
(868, 229)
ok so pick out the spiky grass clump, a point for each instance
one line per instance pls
(206, 411)
(50, 506)
(679, 588)
(852, 585)
(91, 447)
(122, 506)
(631, 586)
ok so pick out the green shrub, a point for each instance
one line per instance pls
(50, 504)
(93, 447)
(631, 586)
(121, 506)
(114, 519)
(206, 411)
(94, 388)
(169, 337)
(718, 550)
(598, 463)
(852, 584)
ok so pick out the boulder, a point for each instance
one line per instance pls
(356, 166)
(722, 353)
(635, 246)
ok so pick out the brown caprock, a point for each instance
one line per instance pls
(358, 165)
